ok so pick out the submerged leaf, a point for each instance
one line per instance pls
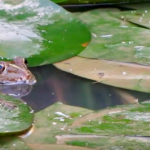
(15, 115)
(124, 75)
(114, 39)
(40, 31)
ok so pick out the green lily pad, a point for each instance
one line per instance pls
(110, 143)
(65, 124)
(139, 17)
(52, 121)
(59, 1)
(127, 120)
(40, 31)
(13, 143)
(15, 115)
(115, 39)
(56, 147)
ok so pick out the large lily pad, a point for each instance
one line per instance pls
(139, 17)
(125, 120)
(115, 40)
(53, 121)
(67, 125)
(105, 142)
(12, 143)
(15, 115)
(124, 75)
(56, 147)
(40, 31)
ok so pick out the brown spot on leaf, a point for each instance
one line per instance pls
(85, 44)
(100, 74)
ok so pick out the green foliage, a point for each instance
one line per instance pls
(40, 31)
(115, 39)
(15, 115)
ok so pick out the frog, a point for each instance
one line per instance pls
(15, 72)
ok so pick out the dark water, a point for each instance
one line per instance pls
(54, 85)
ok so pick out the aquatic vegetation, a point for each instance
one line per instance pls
(125, 120)
(15, 115)
(114, 41)
(40, 37)
(56, 119)
(44, 42)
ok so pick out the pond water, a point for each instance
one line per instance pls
(54, 85)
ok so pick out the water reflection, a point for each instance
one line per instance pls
(54, 85)
(16, 91)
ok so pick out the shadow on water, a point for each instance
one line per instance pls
(54, 85)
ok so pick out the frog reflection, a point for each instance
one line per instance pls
(15, 72)
(17, 90)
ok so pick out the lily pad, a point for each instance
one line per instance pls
(40, 31)
(139, 17)
(105, 142)
(59, 1)
(12, 143)
(115, 40)
(56, 118)
(123, 75)
(128, 120)
(56, 147)
(15, 115)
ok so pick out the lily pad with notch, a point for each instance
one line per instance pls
(15, 115)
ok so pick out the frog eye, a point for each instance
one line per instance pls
(1, 68)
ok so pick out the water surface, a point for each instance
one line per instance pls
(54, 85)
